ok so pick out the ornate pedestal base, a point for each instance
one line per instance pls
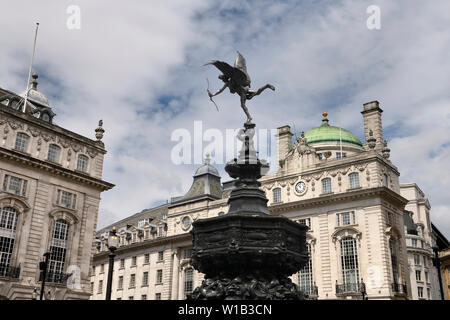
(248, 253)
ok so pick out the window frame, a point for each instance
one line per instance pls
(326, 185)
(276, 194)
(24, 144)
(352, 180)
(54, 154)
(80, 168)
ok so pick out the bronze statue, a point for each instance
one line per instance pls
(238, 81)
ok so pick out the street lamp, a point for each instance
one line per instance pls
(112, 243)
(43, 267)
(437, 264)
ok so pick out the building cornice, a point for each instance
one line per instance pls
(6, 112)
(381, 192)
(363, 159)
(16, 156)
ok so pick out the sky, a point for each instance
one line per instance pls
(139, 66)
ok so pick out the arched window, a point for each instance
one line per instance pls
(349, 265)
(58, 249)
(326, 185)
(8, 226)
(276, 195)
(394, 260)
(305, 275)
(354, 180)
(188, 281)
(22, 140)
(82, 163)
(53, 153)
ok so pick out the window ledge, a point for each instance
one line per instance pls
(146, 263)
(326, 194)
(158, 284)
(144, 285)
(356, 188)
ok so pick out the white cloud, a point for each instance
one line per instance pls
(319, 55)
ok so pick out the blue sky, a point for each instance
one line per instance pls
(139, 67)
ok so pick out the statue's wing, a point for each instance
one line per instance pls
(238, 75)
(224, 67)
(241, 65)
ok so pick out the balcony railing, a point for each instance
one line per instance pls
(9, 272)
(349, 288)
(399, 288)
(55, 277)
(311, 291)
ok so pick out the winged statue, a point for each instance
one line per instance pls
(238, 81)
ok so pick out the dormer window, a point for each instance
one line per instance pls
(340, 155)
(22, 140)
(82, 163)
(53, 153)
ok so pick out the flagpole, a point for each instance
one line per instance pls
(31, 66)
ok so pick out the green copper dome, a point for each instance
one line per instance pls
(327, 133)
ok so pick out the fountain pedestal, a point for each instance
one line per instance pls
(248, 254)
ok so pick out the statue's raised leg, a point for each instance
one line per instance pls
(252, 93)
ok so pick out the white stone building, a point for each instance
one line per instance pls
(51, 180)
(346, 191)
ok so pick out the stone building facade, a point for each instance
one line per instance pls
(347, 192)
(51, 180)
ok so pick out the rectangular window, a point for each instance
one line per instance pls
(15, 185)
(429, 293)
(187, 253)
(102, 268)
(354, 180)
(53, 153)
(133, 261)
(414, 242)
(66, 199)
(146, 258)
(130, 298)
(122, 263)
(144, 297)
(417, 259)
(120, 285)
(82, 163)
(389, 218)
(100, 287)
(418, 275)
(305, 222)
(188, 282)
(157, 296)
(326, 185)
(145, 279)
(420, 292)
(427, 277)
(276, 195)
(160, 255)
(159, 276)
(346, 218)
(132, 280)
(22, 142)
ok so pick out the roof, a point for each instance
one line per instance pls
(327, 133)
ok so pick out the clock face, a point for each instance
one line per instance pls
(300, 187)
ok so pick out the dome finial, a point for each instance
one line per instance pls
(207, 158)
(34, 82)
(324, 114)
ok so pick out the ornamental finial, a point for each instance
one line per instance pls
(99, 131)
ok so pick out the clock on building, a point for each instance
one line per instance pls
(300, 188)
